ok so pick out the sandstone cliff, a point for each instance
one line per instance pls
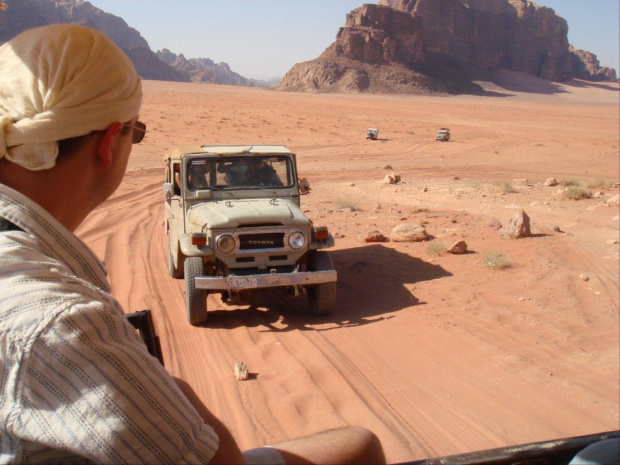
(417, 46)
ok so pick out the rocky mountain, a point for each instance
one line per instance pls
(203, 69)
(422, 46)
(20, 15)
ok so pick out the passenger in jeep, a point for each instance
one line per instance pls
(262, 174)
(197, 175)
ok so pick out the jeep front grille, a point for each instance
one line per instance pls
(261, 241)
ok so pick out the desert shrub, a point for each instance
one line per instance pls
(436, 247)
(347, 203)
(598, 182)
(505, 187)
(576, 193)
(569, 182)
(496, 260)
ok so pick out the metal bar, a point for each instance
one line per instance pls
(555, 452)
(262, 281)
(143, 322)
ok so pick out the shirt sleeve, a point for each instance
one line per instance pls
(91, 388)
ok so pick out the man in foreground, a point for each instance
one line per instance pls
(76, 382)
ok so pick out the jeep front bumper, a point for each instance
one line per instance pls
(263, 281)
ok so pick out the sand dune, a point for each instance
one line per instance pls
(438, 354)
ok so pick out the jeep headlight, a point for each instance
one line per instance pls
(225, 243)
(296, 240)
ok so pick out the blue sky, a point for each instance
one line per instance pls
(264, 38)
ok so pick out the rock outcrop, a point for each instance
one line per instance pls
(25, 14)
(587, 67)
(426, 46)
(376, 52)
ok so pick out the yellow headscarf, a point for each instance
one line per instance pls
(58, 82)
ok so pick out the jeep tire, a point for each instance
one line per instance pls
(321, 297)
(195, 299)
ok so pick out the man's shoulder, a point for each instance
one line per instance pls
(33, 284)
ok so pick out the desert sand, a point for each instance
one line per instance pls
(437, 353)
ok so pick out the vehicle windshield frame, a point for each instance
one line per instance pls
(240, 172)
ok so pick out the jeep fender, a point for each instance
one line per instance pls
(190, 250)
(324, 244)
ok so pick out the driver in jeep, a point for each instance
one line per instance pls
(262, 174)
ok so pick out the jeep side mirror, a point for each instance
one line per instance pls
(168, 190)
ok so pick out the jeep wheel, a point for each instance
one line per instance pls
(321, 297)
(195, 299)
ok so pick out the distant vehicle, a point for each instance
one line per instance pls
(443, 135)
(372, 133)
(235, 227)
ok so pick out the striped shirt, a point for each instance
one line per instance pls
(77, 384)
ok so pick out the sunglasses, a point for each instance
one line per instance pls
(139, 131)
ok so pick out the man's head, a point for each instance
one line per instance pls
(256, 163)
(66, 90)
(59, 82)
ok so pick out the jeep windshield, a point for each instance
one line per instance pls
(240, 172)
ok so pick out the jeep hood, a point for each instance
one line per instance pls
(236, 213)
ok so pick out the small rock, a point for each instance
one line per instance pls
(352, 184)
(615, 200)
(458, 248)
(392, 178)
(599, 194)
(454, 178)
(520, 182)
(612, 241)
(551, 182)
(388, 167)
(241, 371)
(585, 277)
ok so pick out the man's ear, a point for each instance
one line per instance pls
(107, 145)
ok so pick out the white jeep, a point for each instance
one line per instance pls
(235, 227)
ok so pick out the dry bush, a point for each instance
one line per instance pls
(505, 187)
(496, 260)
(566, 182)
(347, 203)
(599, 182)
(576, 193)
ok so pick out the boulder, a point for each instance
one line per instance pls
(409, 232)
(551, 182)
(518, 226)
